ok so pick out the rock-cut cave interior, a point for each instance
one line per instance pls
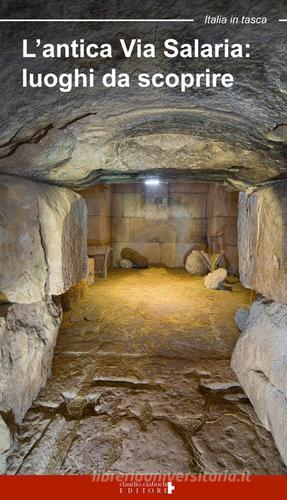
(143, 278)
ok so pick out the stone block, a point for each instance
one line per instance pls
(174, 255)
(168, 254)
(43, 239)
(117, 248)
(156, 209)
(231, 253)
(156, 193)
(262, 243)
(189, 230)
(226, 225)
(99, 200)
(5, 444)
(28, 334)
(151, 251)
(221, 202)
(99, 230)
(120, 228)
(149, 230)
(260, 363)
(133, 205)
(187, 205)
(118, 205)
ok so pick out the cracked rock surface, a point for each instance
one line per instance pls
(42, 228)
(87, 135)
(141, 383)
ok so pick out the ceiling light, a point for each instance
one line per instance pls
(152, 182)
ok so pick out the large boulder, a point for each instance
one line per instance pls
(260, 363)
(262, 228)
(43, 240)
(135, 257)
(215, 280)
(28, 334)
(194, 264)
(126, 264)
(241, 318)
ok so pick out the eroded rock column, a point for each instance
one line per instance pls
(260, 355)
(43, 238)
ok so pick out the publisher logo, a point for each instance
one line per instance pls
(170, 488)
(147, 487)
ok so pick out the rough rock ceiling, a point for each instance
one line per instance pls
(88, 136)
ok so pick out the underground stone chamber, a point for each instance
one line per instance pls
(147, 370)
(164, 221)
(98, 374)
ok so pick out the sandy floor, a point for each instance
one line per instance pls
(142, 384)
